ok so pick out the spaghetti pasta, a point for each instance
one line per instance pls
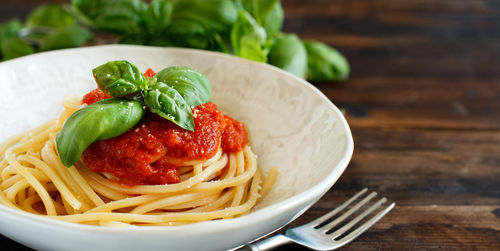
(33, 179)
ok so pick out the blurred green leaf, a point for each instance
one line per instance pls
(250, 48)
(325, 63)
(258, 8)
(251, 28)
(267, 13)
(52, 15)
(13, 47)
(217, 15)
(273, 21)
(9, 29)
(182, 33)
(193, 34)
(116, 16)
(289, 54)
(157, 16)
(65, 37)
(248, 39)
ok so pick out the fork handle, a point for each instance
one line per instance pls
(267, 244)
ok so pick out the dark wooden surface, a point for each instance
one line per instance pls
(423, 103)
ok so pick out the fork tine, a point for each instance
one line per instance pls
(358, 218)
(361, 229)
(327, 216)
(355, 208)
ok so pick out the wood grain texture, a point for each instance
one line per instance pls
(423, 103)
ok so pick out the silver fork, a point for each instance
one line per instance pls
(326, 233)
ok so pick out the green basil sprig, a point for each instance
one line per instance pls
(171, 93)
(187, 87)
(119, 78)
(174, 91)
(191, 85)
(102, 120)
(169, 104)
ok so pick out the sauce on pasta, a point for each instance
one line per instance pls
(151, 152)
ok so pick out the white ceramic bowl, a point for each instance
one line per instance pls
(291, 124)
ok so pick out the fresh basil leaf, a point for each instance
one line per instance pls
(191, 34)
(157, 15)
(217, 15)
(51, 15)
(102, 120)
(167, 102)
(193, 86)
(289, 54)
(325, 63)
(119, 78)
(248, 39)
(14, 47)
(116, 16)
(65, 37)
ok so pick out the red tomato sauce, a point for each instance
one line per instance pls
(149, 73)
(94, 96)
(151, 152)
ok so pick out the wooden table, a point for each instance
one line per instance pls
(423, 103)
